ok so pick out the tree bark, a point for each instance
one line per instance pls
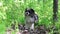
(55, 10)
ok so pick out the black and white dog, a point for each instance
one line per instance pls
(30, 18)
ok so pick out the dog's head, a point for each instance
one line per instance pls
(29, 12)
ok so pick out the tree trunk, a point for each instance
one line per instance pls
(55, 10)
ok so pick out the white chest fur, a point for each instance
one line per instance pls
(30, 19)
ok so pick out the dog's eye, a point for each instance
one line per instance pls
(27, 13)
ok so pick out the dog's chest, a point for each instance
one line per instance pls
(30, 19)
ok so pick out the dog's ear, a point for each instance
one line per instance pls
(32, 10)
(26, 10)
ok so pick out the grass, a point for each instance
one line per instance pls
(14, 10)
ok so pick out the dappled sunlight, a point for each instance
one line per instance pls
(1, 4)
